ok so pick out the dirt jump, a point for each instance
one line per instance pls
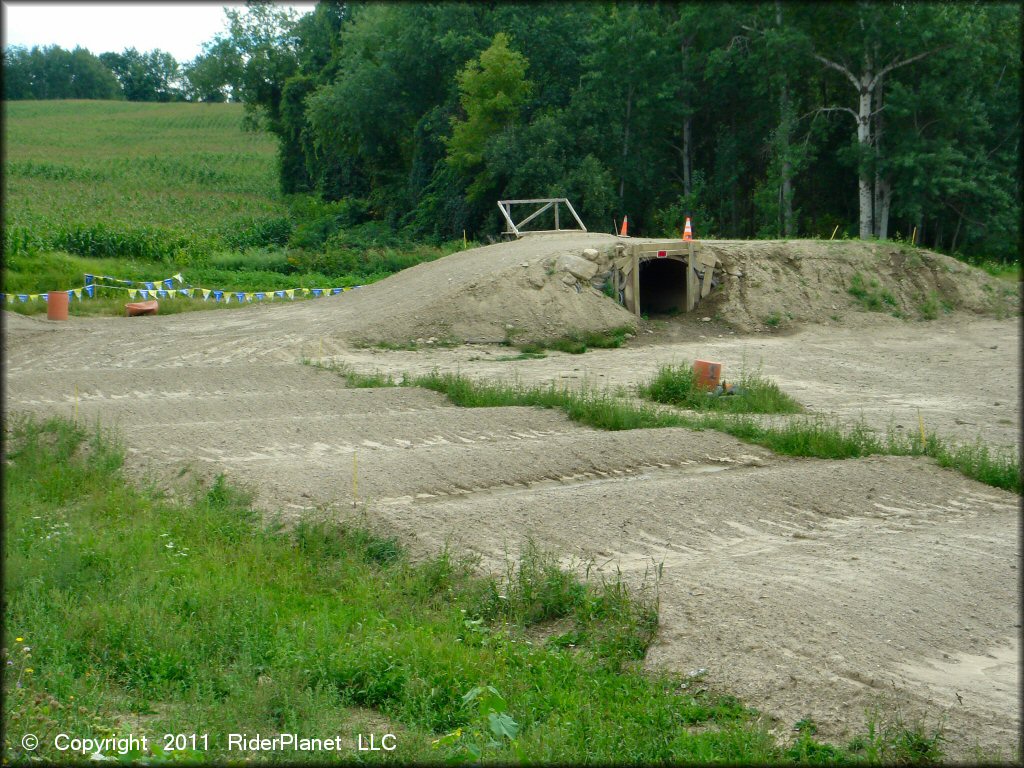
(806, 587)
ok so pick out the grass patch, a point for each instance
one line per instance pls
(1004, 270)
(871, 295)
(577, 342)
(677, 385)
(815, 437)
(124, 608)
(930, 306)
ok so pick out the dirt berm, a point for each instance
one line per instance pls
(542, 287)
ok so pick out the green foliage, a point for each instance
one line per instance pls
(677, 385)
(149, 76)
(871, 295)
(493, 89)
(726, 114)
(931, 304)
(54, 73)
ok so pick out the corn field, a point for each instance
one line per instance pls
(153, 182)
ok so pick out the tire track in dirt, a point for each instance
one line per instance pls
(809, 606)
(805, 587)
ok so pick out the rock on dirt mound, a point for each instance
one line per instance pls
(781, 282)
(541, 286)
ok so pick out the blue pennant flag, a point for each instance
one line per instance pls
(161, 293)
(279, 294)
(90, 290)
(260, 295)
(168, 283)
(144, 293)
(44, 297)
(89, 279)
(22, 297)
(317, 292)
(240, 295)
(336, 291)
(149, 286)
(217, 295)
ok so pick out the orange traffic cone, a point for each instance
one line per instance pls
(687, 230)
(625, 224)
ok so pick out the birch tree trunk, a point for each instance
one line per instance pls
(863, 178)
(865, 85)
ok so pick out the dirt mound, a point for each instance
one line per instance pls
(777, 283)
(506, 290)
(545, 286)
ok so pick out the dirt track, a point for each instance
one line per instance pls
(807, 588)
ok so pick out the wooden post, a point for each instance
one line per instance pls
(636, 283)
(691, 281)
(556, 215)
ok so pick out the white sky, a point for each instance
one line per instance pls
(178, 28)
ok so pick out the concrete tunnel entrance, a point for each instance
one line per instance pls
(662, 285)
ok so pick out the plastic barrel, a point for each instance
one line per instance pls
(57, 305)
(707, 373)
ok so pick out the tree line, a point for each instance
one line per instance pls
(770, 119)
(52, 72)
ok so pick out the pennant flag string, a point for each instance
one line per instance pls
(165, 288)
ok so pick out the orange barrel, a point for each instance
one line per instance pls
(57, 305)
(707, 373)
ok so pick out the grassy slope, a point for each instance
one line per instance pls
(126, 612)
(141, 191)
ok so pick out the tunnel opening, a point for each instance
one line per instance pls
(662, 286)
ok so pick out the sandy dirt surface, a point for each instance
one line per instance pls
(807, 588)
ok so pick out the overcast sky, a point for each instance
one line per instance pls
(178, 28)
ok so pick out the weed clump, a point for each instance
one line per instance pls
(577, 342)
(677, 385)
(871, 295)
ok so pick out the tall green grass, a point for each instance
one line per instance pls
(677, 385)
(128, 611)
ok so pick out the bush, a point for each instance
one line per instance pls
(316, 221)
(257, 232)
